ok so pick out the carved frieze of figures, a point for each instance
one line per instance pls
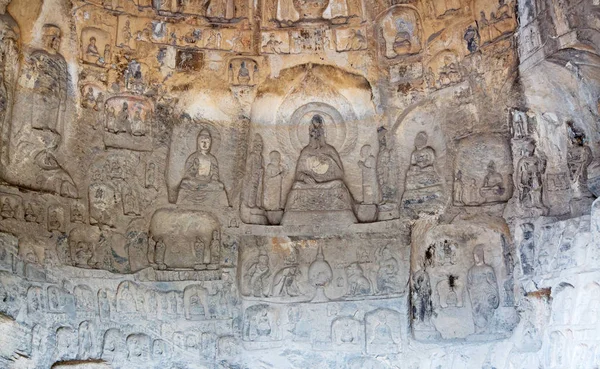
(443, 70)
(195, 35)
(497, 24)
(444, 7)
(128, 123)
(350, 39)
(400, 31)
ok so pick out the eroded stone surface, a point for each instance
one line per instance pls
(299, 184)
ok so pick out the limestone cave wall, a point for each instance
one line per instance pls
(278, 184)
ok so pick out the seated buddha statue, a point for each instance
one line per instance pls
(423, 185)
(202, 171)
(319, 181)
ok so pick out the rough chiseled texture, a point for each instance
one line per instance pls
(336, 184)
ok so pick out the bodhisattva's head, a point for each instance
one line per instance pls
(204, 141)
(479, 255)
(51, 37)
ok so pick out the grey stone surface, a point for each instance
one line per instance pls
(339, 184)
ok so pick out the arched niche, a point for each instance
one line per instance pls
(400, 31)
(285, 105)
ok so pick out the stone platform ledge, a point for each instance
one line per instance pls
(392, 227)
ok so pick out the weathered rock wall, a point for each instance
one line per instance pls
(299, 184)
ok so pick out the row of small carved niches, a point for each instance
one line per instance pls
(103, 317)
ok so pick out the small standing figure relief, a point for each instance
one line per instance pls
(258, 274)
(7, 211)
(285, 281)
(200, 250)
(527, 249)
(212, 256)
(459, 189)
(273, 182)
(388, 280)
(422, 307)
(483, 290)
(530, 185)
(370, 183)
(160, 251)
(579, 157)
(122, 123)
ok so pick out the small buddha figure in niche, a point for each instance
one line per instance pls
(137, 124)
(7, 211)
(493, 183)
(423, 157)
(382, 334)
(92, 49)
(201, 168)
(213, 250)
(483, 290)
(89, 101)
(243, 76)
(30, 214)
(423, 186)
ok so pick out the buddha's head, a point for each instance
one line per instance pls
(204, 141)
(51, 37)
(421, 140)
(316, 130)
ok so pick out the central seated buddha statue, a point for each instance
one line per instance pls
(319, 192)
